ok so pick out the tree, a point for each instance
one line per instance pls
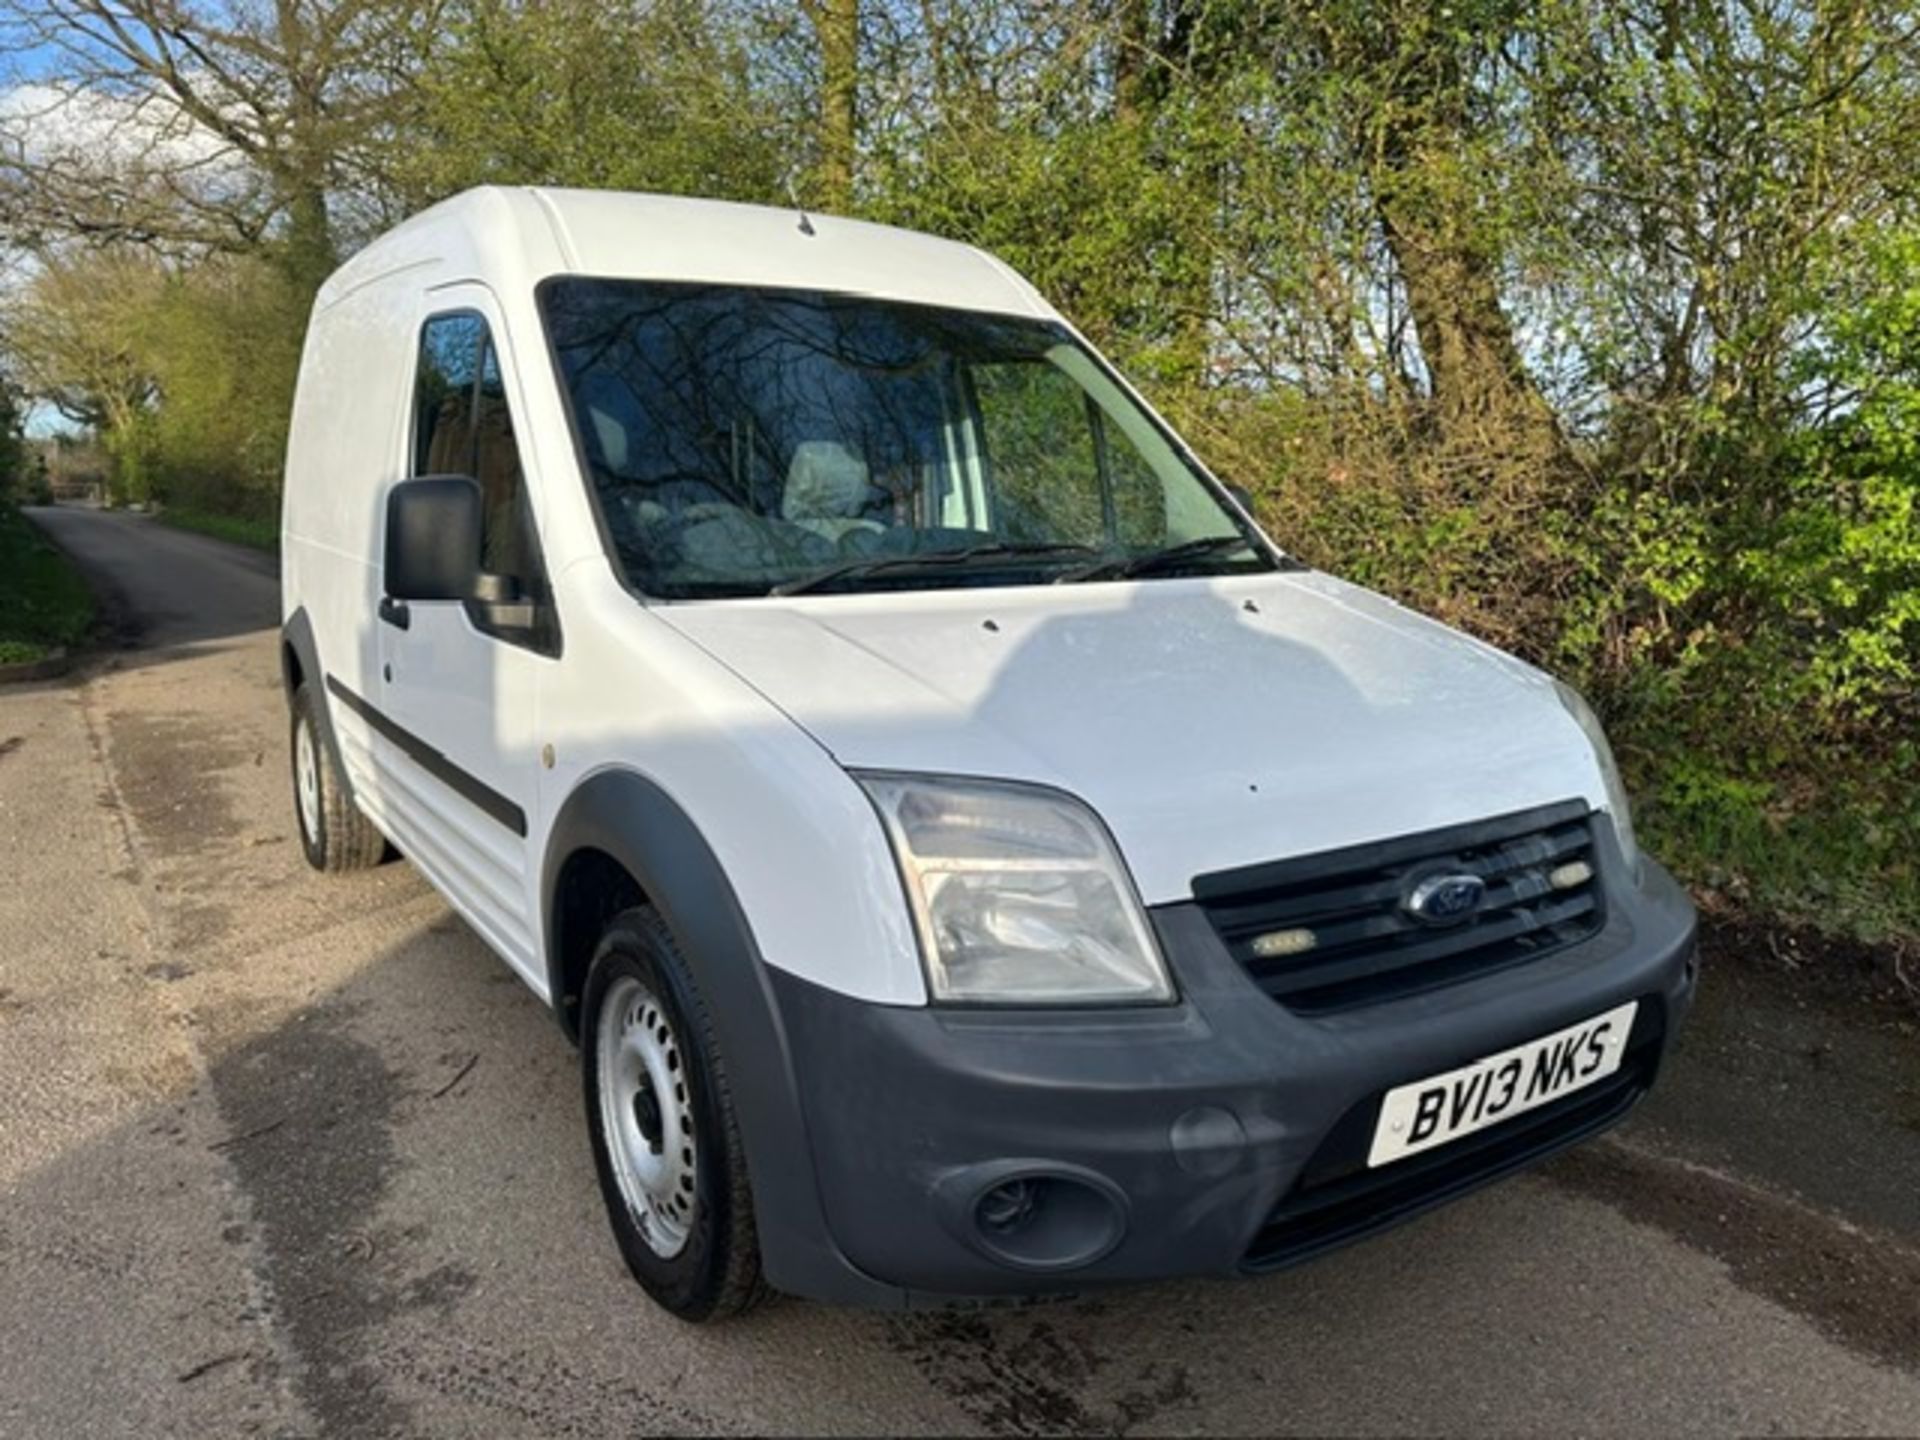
(836, 31)
(77, 336)
(1414, 96)
(642, 96)
(74, 336)
(193, 125)
(1727, 152)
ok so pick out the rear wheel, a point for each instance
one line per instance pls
(334, 835)
(665, 1141)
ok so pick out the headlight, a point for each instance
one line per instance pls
(1617, 806)
(1018, 894)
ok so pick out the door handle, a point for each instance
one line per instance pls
(395, 613)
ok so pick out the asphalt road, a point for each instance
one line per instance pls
(295, 1155)
(168, 587)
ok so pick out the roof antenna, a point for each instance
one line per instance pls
(793, 194)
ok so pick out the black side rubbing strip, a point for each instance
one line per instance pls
(484, 797)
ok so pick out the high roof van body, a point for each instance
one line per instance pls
(972, 858)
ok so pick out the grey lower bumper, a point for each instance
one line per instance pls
(1225, 1133)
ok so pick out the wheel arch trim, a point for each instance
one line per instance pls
(634, 821)
(296, 639)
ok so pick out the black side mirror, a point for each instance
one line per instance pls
(433, 538)
(1242, 496)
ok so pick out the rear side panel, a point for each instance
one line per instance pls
(342, 452)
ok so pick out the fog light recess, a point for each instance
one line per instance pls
(1034, 1216)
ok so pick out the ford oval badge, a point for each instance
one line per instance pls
(1446, 898)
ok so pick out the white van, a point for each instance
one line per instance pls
(972, 858)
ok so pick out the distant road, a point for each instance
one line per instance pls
(173, 587)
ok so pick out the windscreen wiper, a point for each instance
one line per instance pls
(928, 560)
(1121, 567)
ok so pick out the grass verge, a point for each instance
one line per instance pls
(44, 604)
(259, 534)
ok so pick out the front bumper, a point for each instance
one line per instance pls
(1227, 1133)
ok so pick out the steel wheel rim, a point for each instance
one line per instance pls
(306, 778)
(646, 1114)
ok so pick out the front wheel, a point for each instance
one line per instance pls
(665, 1141)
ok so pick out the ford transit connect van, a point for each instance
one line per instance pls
(972, 858)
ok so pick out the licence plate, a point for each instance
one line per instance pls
(1445, 1107)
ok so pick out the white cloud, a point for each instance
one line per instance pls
(126, 142)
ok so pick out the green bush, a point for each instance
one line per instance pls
(44, 604)
(1751, 633)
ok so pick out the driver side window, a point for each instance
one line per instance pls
(462, 426)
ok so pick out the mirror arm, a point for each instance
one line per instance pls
(508, 614)
(490, 588)
(500, 603)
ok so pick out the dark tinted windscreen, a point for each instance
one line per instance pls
(739, 438)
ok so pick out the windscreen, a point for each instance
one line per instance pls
(746, 440)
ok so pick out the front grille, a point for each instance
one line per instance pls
(1338, 1199)
(1367, 948)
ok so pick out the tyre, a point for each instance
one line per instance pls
(334, 835)
(665, 1140)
